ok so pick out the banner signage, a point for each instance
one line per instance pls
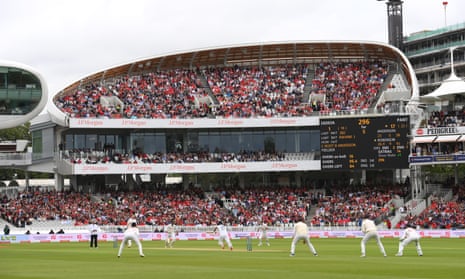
(156, 236)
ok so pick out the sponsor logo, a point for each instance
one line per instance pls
(89, 122)
(64, 236)
(40, 237)
(134, 122)
(94, 168)
(283, 166)
(441, 130)
(139, 168)
(8, 237)
(182, 168)
(283, 121)
(230, 122)
(233, 166)
(185, 123)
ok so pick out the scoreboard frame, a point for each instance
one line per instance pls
(365, 142)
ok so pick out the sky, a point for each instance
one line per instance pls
(67, 40)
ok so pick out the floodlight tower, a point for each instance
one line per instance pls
(395, 31)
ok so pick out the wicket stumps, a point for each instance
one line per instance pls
(249, 244)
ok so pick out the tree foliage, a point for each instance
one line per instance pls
(17, 133)
(11, 134)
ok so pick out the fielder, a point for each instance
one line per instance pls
(132, 219)
(171, 232)
(370, 231)
(409, 235)
(301, 233)
(262, 230)
(131, 233)
(223, 237)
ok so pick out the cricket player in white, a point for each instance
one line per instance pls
(262, 230)
(409, 235)
(132, 233)
(170, 230)
(370, 231)
(301, 233)
(131, 220)
(223, 236)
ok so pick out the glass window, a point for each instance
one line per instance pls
(80, 142)
(230, 141)
(280, 139)
(20, 91)
(2, 78)
(203, 142)
(247, 141)
(160, 142)
(215, 142)
(91, 142)
(192, 141)
(69, 142)
(174, 142)
(258, 141)
(291, 141)
(315, 140)
(233, 141)
(37, 142)
(148, 142)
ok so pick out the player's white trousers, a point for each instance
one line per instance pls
(368, 236)
(224, 238)
(127, 238)
(305, 238)
(406, 241)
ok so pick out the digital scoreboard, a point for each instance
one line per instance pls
(365, 142)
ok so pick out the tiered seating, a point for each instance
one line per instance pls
(348, 86)
(241, 92)
(347, 207)
(452, 118)
(188, 207)
(168, 94)
(267, 91)
(277, 205)
(440, 215)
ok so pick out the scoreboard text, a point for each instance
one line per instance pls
(365, 143)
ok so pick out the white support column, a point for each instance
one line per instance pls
(59, 182)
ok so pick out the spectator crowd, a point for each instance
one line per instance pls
(238, 91)
(283, 205)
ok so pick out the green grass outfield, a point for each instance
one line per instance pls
(338, 258)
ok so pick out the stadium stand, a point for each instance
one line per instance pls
(279, 206)
(239, 92)
(267, 87)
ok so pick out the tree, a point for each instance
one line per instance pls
(16, 133)
(12, 134)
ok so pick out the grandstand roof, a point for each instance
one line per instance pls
(261, 54)
(449, 87)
